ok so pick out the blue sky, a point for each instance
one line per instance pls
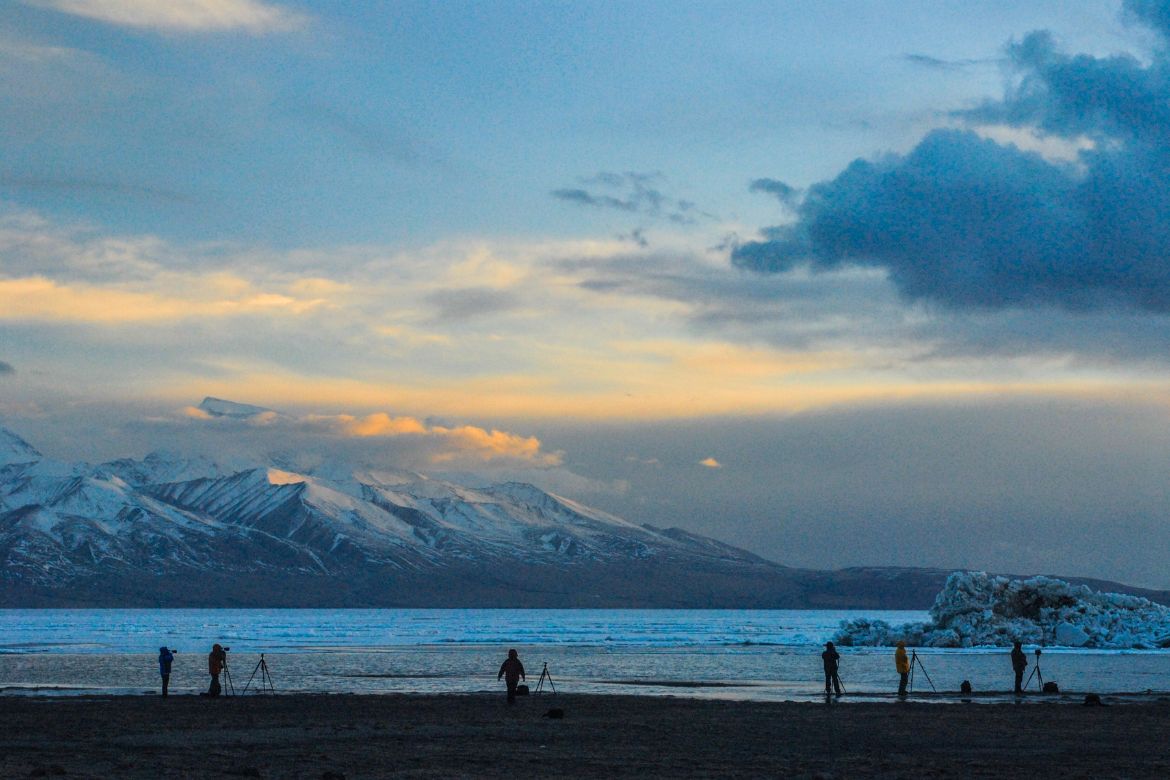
(754, 269)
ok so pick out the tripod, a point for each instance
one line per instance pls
(544, 675)
(1036, 671)
(228, 688)
(264, 684)
(916, 661)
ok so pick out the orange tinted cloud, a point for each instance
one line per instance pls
(40, 299)
(465, 441)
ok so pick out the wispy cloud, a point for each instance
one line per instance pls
(633, 193)
(40, 299)
(193, 16)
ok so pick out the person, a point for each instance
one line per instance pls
(513, 672)
(166, 657)
(215, 663)
(1019, 664)
(902, 664)
(832, 660)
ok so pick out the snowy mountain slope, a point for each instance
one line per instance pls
(14, 450)
(392, 535)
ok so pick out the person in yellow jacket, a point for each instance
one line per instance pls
(902, 664)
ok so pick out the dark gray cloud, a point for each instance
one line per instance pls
(784, 193)
(6, 369)
(970, 223)
(936, 63)
(632, 192)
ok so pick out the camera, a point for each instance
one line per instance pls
(226, 649)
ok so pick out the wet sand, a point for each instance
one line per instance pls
(351, 736)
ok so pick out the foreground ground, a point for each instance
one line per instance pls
(352, 736)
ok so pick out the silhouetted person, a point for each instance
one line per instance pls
(902, 664)
(513, 672)
(166, 657)
(1019, 664)
(832, 661)
(215, 662)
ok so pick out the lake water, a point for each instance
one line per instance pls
(743, 654)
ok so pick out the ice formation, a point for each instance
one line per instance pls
(976, 609)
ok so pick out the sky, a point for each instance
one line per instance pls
(842, 283)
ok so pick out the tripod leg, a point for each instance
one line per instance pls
(919, 660)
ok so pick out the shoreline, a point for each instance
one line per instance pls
(476, 734)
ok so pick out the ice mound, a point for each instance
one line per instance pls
(975, 609)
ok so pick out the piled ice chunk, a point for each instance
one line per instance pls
(977, 609)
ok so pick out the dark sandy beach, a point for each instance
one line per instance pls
(321, 736)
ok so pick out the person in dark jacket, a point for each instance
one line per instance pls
(832, 660)
(215, 662)
(166, 657)
(513, 672)
(1019, 664)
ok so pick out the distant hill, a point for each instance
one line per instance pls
(170, 531)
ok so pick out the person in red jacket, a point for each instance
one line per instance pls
(513, 672)
(215, 662)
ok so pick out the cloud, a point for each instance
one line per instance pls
(471, 302)
(93, 186)
(192, 16)
(782, 192)
(421, 441)
(972, 223)
(38, 299)
(711, 463)
(457, 441)
(936, 63)
(6, 369)
(633, 193)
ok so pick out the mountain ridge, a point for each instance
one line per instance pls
(168, 530)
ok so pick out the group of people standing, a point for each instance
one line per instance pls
(512, 670)
(832, 663)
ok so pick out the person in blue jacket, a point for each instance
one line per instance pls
(166, 657)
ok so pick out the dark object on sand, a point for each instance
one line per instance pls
(1051, 687)
(46, 771)
(521, 690)
(556, 713)
(333, 776)
(1093, 700)
(965, 686)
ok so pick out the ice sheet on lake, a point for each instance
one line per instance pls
(977, 609)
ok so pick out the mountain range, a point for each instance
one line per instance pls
(174, 531)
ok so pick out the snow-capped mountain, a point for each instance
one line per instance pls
(171, 529)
